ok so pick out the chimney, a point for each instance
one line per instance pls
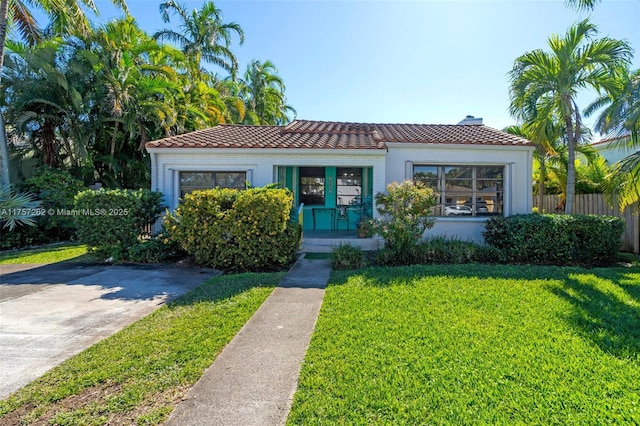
(470, 120)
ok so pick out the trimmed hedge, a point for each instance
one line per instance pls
(111, 221)
(237, 230)
(556, 239)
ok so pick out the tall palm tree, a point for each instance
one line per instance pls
(544, 81)
(263, 92)
(203, 35)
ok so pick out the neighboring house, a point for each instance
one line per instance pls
(614, 149)
(335, 169)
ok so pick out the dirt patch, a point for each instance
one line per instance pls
(95, 400)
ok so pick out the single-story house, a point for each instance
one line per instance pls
(615, 148)
(335, 169)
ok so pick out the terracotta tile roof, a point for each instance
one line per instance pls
(612, 139)
(336, 135)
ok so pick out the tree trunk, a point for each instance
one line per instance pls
(4, 151)
(571, 166)
(541, 180)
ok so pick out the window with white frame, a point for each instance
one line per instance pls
(464, 190)
(193, 181)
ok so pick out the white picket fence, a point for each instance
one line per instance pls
(597, 204)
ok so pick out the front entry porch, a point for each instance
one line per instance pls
(333, 198)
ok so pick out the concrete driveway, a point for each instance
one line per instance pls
(51, 312)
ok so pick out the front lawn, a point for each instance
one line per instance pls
(46, 255)
(475, 344)
(138, 375)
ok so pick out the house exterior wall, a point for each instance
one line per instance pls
(613, 151)
(517, 180)
(260, 164)
(393, 165)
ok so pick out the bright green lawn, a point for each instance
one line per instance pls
(475, 345)
(49, 254)
(140, 373)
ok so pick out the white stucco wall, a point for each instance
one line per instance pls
(166, 163)
(394, 165)
(517, 181)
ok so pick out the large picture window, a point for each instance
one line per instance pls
(312, 182)
(464, 190)
(349, 185)
(192, 181)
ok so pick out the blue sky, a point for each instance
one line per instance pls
(397, 61)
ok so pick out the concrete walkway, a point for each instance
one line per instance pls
(253, 380)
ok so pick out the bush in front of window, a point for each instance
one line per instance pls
(236, 231)
(407, 212)
(556, 239)
(111, 221)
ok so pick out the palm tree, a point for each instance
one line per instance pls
(203, 35)
(544, 82)
(582, 4)
(263, 92)
(621, 118)
(545, 137)
(42, 99)
(65, 16)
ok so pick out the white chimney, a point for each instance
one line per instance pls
(470, 120)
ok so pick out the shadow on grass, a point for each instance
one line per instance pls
(226, 286)
(603, 317)
(606, 301)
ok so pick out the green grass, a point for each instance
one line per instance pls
(46, 255)
(317, 256)
(473, 344)
(141, 372)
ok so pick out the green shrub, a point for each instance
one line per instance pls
(406, 210)
(233, 230)
(111, 221)
(155, 250)
(442, 250)
(346, 256)
(57, 190)
(556, 239)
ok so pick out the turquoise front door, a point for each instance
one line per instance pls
(334, 198)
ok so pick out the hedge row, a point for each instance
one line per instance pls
(112, 221)
(233, 230)
(556, 239)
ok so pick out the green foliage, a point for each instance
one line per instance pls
(556, 239)
(56, 189)
(158, 249)
(442, 250)
(111, 221)
(16, 209)
(346, 256)
(235, 230)
(406, 209)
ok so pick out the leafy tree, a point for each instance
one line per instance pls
(262, 90)
(67, 17)
(544, 82)
(43, 102)
(203, 35)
